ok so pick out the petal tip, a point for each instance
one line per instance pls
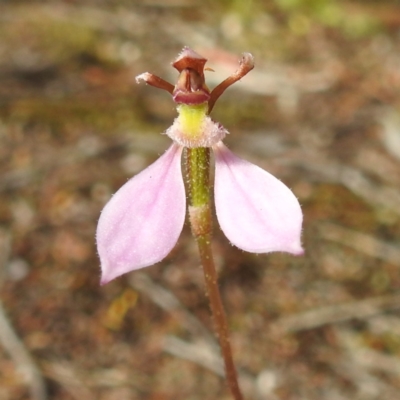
(297, 250)
(107, 274)
(104, 281)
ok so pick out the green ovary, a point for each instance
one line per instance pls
(191, 118)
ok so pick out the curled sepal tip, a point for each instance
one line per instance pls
(142, 222)
(255, 210)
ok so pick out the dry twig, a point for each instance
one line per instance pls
(322, 169)
(66, 375)
(361, 242)
(361, 362)
(205, 356)
(168, 302)
(337, 313)
(199, 353)
(204, 353)
(10, 340)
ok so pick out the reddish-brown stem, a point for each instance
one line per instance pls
(219, 316)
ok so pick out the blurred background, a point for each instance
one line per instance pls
(321, 111)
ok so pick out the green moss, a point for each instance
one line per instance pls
(61, 39)
(46, 38)
(329, 13)
(95, 114)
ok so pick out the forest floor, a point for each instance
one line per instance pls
(321, 111)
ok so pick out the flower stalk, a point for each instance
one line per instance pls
(198, 177)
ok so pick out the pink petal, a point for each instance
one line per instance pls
(142, 222)
(256, 211)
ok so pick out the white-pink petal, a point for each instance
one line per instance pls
(255, 210)
(142, 222)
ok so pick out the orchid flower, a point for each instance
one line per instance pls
(143, 221)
